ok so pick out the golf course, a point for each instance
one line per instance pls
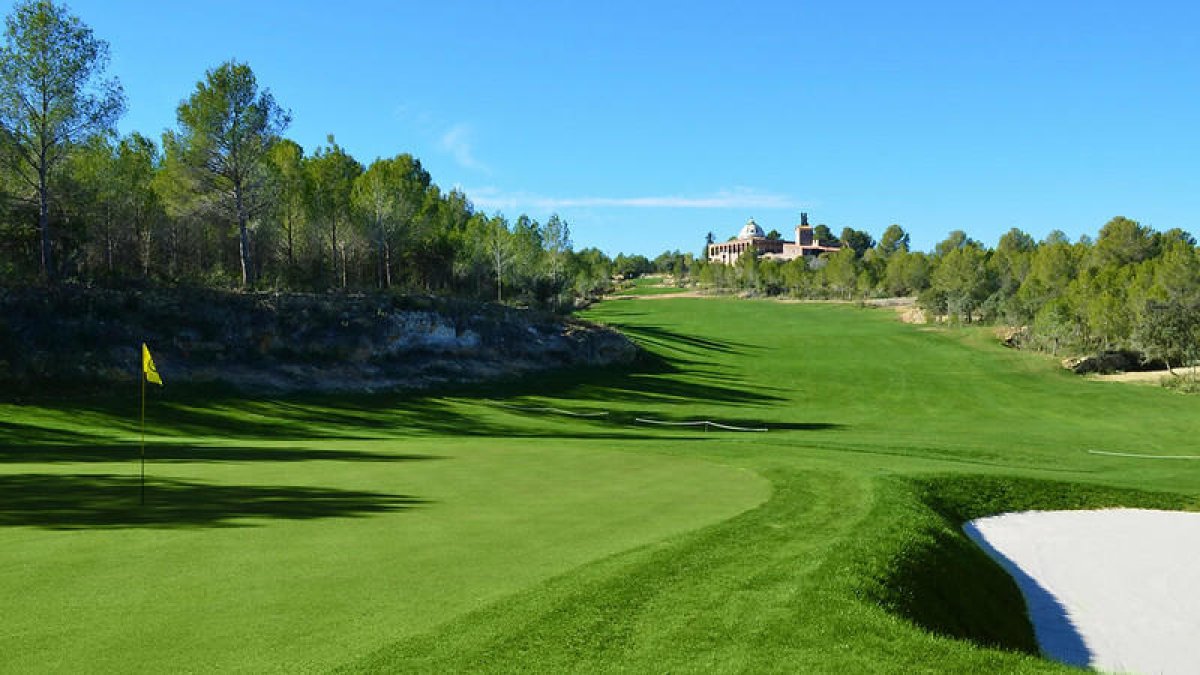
(556, 523)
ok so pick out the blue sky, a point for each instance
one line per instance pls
(648, 124)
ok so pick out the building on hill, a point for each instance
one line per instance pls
(752, 238)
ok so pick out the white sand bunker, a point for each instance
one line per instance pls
(1117, 590)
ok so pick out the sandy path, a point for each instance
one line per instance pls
(1117, 590)
(1151, 376)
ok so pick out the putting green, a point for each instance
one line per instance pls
(284, 589)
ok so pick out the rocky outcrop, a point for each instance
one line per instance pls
(1105, 363)
(286, 342)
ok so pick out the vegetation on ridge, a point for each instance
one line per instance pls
(227, 200)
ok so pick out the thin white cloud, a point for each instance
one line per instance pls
(457, 142)
(739, 198)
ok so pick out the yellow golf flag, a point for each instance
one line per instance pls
(148, 367)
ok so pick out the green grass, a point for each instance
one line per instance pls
(446, 532)
(649, 286)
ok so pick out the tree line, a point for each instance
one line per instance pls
(1131, 288)
(226, 199)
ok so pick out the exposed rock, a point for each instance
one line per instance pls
(286, 341)
(913, 315)
(1013, 336)
(1104, 362)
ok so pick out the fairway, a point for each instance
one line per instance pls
(466, 529)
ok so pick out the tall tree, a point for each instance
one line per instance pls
(526, 248)
(1123, 241)
(841, 272)
(962, 280)
(372, 199)
(500, 250)
(387, 196)
(557, 238)
(91, 191)
(227, 127)
(906, 273)
(955, 240)
(53, 94)
(856, 240)
(291, 183)
(137, 160)
(331, 175)
(1012, 259)
(894, 239)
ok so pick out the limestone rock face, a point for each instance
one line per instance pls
(286, 342)
(429, 331)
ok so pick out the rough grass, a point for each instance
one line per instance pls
(448, 533)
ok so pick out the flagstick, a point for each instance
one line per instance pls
(143, 439)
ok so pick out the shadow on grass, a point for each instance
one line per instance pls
(1057, 635)
(662, 337)
(652, 379)
(742, 422)
(203, 410)
(14, 432)
(70, 502)
(122, 452)
(186, 413)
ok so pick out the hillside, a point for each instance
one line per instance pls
(72, 336)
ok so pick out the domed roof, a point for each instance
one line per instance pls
(751, 230)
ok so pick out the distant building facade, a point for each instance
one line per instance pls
(752, 238)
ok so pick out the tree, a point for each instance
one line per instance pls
(1056, 237)
(592, 273)
(1051, 268)
(371, 197)
(290, 186)
(1122, 242)
(227, 127)
(841, 272)
(52, 95)
(500, 250)
(1169, 330)
(1011, 262)
(630, 266)
(962, 281)
(894, 240)
(526, 251)
(747, 266)
(955, 240)
(774, 235)
(1016, 240)
(709, 240)
(906, 273)
(387, 196)
(856, 240)
(1173, 236)
(557, 238)
(822, 233)
(135, 201)
(331, 174)
(91, 190)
